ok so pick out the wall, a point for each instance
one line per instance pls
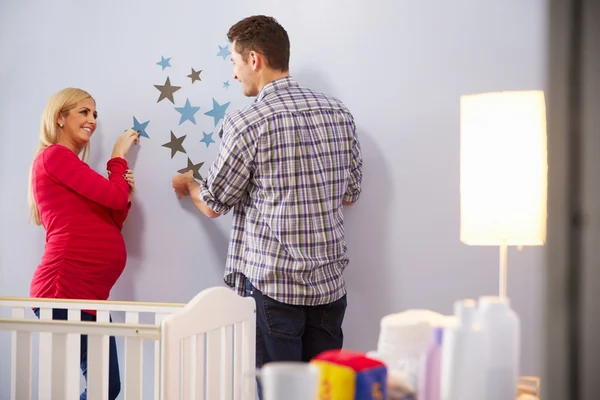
(399, 66)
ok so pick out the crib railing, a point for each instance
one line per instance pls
(203, 349)
(65, 350)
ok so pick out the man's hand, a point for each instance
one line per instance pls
(184, 184)
(181, 184)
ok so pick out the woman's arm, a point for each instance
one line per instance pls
(62, 165)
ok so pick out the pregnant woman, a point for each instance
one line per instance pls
(81, 211)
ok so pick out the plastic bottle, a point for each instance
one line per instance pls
(430, 374)
(502, 330)
(463, 357)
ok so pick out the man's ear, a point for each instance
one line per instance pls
(255, 60)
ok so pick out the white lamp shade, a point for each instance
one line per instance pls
(503, 169)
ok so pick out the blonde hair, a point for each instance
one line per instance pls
(59, 104)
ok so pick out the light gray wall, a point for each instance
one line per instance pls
(400, 67)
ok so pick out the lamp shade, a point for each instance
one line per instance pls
(503, 168)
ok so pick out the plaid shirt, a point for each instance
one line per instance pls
(285, 164)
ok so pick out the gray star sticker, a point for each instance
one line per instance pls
(192, 167)
(195, 75)
(167, 90)
(175, 144)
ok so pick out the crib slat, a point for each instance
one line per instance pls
(249, 358)
(20, 361)
(237, 364)
(170, 381)
(199, 369)
(45, 358)
(158, 317)
(213, 366)
(97, 373)
(187, 375)
(73, 363)
(133, 361)
(226, 362)
(58, 371)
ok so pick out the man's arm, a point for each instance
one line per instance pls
(355, 181)
(227, 178)
(194, 191)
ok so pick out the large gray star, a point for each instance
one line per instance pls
(195, 75)
(192, 167)
(175, 144)
(167, 90)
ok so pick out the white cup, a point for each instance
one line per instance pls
(289, 381)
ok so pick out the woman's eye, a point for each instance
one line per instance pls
(84, 112)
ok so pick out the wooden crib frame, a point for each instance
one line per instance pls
(204, 349)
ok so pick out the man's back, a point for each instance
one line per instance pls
(303, 159)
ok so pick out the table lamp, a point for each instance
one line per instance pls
(503, 171)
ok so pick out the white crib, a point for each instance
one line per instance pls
(202, 350)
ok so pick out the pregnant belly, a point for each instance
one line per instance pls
(81, 268)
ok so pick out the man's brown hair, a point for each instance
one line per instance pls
(265, 36)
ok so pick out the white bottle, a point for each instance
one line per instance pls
(463, 358)
(502, 330)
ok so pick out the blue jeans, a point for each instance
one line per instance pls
(286, 332)
(114, 378)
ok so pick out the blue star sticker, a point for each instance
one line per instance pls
(223, 52)
(218, 111)
(187, 112)
(226, 84)
(164, 62)
(207, 139)
(137, 126)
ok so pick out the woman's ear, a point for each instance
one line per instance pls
(60, 120)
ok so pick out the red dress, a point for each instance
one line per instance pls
(83, 213)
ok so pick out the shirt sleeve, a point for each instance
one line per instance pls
(355, 180)
(119, 216)
(229, 175)
(62, 165)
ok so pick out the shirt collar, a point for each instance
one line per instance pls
(273, 86)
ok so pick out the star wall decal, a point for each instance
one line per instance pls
(207, 138)
(195, 75)
(176, 144)
(217, 112)
(226, 84)
(192, 167)
(223, 52)
(137, 126)
(164, 62)
(166, 91)
(187, 112)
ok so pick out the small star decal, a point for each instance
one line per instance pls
(164, 62)
(207, 138)
(176, 144)
(217, 112)
(137, 126)
(192, 167)
(166, 91)
(187, 112)
(195, 75)
(223, 52)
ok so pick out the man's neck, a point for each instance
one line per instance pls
(270, 76)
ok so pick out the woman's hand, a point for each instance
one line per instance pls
(131, 182)
(124, 143)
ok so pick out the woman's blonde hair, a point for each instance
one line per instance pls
(59, 104)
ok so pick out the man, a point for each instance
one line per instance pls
(286, 165)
